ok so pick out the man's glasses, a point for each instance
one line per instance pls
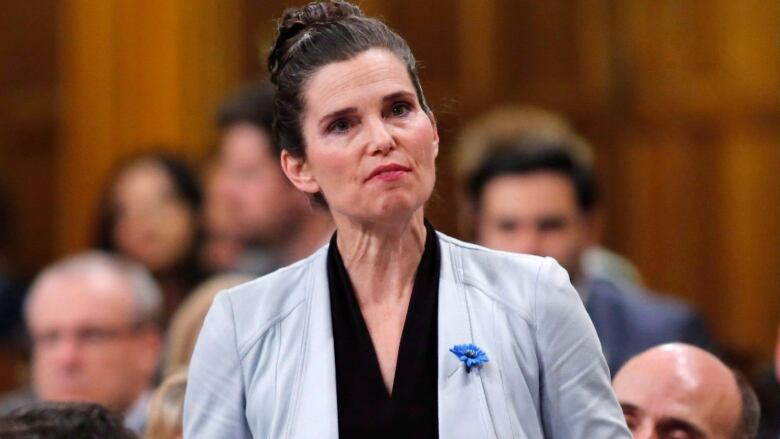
(86, 336)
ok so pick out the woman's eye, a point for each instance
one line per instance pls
(338, 126)
(400, 109)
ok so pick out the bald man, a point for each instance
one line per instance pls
(681, 391)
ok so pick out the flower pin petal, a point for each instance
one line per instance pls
(470, 355)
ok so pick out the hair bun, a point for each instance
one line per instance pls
(294, 23)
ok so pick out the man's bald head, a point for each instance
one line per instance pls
(681, 391)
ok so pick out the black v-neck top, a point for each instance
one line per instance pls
(365, 409)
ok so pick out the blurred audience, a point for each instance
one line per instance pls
(94, 323)
(251, 200)
(768, 389)
(150, 212)
(11, 290)
(52, 420)
(188, 319)
(681, 391)
(506, 125)
(166, 408)
(538, 195)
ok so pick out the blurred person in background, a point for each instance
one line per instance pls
(186, 322)
(681, 391)
(166, 408)
(536, 196)
(251, 196)
(505, 125)
(768, 389)
(150, 213)
(94, 323)
(11, 290)
(57, 420)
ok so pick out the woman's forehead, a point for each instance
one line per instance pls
(371, 74)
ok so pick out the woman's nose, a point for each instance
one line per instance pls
(380, 141)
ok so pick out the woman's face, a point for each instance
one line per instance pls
(153, 224)
(370, 147)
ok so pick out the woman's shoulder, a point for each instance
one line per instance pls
(513, 279)
(258, 304)
(476, 263)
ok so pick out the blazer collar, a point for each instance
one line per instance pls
(463, 410)
(314, 404)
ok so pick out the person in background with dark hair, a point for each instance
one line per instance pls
(768, 388)
(150, 213)
(681, 391)
(508, 124)
(537, 197)
(11, 290)
(249, 200)
(58, 420)
(392, 330)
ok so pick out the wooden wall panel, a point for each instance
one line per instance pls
(681, 101)
(750, 236)
(27, 113)
(136, 74)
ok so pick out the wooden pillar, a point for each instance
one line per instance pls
(135, 73)
(476, 61)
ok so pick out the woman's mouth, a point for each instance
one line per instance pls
(389, 172)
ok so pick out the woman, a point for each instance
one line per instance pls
(150, 213)
(363, 339)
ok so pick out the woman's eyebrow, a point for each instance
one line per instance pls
(338, 113)
(345, 111)
(398, 94)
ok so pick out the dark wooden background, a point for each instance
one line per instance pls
(681, 100)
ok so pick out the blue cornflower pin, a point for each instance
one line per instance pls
(470, 355)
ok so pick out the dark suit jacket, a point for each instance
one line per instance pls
(629, 320)
(11, 298)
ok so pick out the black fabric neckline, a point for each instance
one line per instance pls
(365, 408)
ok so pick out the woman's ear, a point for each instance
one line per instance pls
(298, 172)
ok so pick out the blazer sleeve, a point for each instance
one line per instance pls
(576, 394)
(214, 401)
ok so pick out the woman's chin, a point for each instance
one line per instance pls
(394, 209)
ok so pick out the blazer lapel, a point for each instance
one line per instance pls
(315, 405)
(463, 410)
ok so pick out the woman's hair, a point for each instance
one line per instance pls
(313, 36)
(166, 408)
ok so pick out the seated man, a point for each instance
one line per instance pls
(538, 196)
(93, 320)
(681, 391)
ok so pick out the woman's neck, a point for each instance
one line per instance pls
(382, 259)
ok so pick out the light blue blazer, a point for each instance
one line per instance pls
(263, 366)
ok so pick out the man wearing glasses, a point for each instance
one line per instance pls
(93, 320)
